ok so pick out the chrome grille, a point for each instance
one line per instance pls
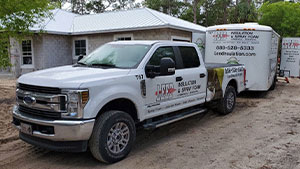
(43, 105)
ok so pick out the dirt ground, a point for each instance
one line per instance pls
(262, 133)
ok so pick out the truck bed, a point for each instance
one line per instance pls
(219, 75)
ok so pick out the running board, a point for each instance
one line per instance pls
(174, 118)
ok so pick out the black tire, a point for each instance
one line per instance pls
(273, 84)
(100, 138)
(227, 104)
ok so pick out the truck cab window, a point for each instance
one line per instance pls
(161, 53)
(189, 56)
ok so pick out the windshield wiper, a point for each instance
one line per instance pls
(103, 64)
(80, 64)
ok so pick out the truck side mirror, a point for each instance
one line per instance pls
(152, 71)
(167, 66)
(79, 58)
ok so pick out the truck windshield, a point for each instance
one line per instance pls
(116, 55)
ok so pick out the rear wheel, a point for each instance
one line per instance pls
(227, 103)
(274, 83)
(113, 136)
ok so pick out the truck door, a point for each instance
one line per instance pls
(161, 90)
(191, 78)
(187, 87)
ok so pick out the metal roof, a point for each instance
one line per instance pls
(60, 23)
(64, 22)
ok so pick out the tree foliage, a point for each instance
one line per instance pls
(16, 17)
(98, 6)
(283, 17)
(171, 7)
(4, 46)
(243, 11)
(19, 15)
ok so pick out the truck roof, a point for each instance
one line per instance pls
(149, 42)
(247, 26)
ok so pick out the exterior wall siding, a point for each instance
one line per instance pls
(57, 51)
(48, 51)
(15, 56)
(38, 52)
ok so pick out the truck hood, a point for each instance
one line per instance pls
(69, 76)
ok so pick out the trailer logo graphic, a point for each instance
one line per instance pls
(219, 36)
(164, 91)
(291, 44)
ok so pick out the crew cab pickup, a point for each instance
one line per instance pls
(99, 102)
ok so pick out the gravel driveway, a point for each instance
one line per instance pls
(262, 133)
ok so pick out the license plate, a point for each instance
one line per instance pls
(26, 128)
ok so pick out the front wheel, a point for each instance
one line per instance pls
(227, 103)
(113, 136)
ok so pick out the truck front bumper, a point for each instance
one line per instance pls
(53, 131)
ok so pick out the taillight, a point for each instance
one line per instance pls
(245, 76)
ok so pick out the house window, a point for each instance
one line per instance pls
(27, 53)
(123, 37)
(181, 39)
(80, 47)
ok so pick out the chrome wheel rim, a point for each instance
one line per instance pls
(230, 100)
(118, 137)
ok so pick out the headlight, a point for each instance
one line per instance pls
(77, 99)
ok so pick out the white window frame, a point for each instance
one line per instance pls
(73, 46)
(181, 38)
(29, 66)
(123, 35)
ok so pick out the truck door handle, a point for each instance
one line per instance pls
(202, 75)
(178, 79)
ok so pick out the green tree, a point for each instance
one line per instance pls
(171, 7)
(215, 12)
(243, 11)
(222, 8)
(99, 6)
(209, 13)
(59, 3)
(4, 46)
(190, 11)
(16, 17)
(123, 4)
(79, 7)
(283, 17)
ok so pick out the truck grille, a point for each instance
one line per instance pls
(41, 101)
(39, 113)
(39, 89)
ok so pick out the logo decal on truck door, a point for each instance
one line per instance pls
(164, 91)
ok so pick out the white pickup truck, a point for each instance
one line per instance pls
(99, 101)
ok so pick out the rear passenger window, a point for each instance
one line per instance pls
(189, 56)
(161, 53)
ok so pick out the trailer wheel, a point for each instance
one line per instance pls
(227, 103)
(113, 136)
(274, 83)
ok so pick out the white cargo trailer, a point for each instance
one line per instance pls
(290, 57)
(255, 46)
